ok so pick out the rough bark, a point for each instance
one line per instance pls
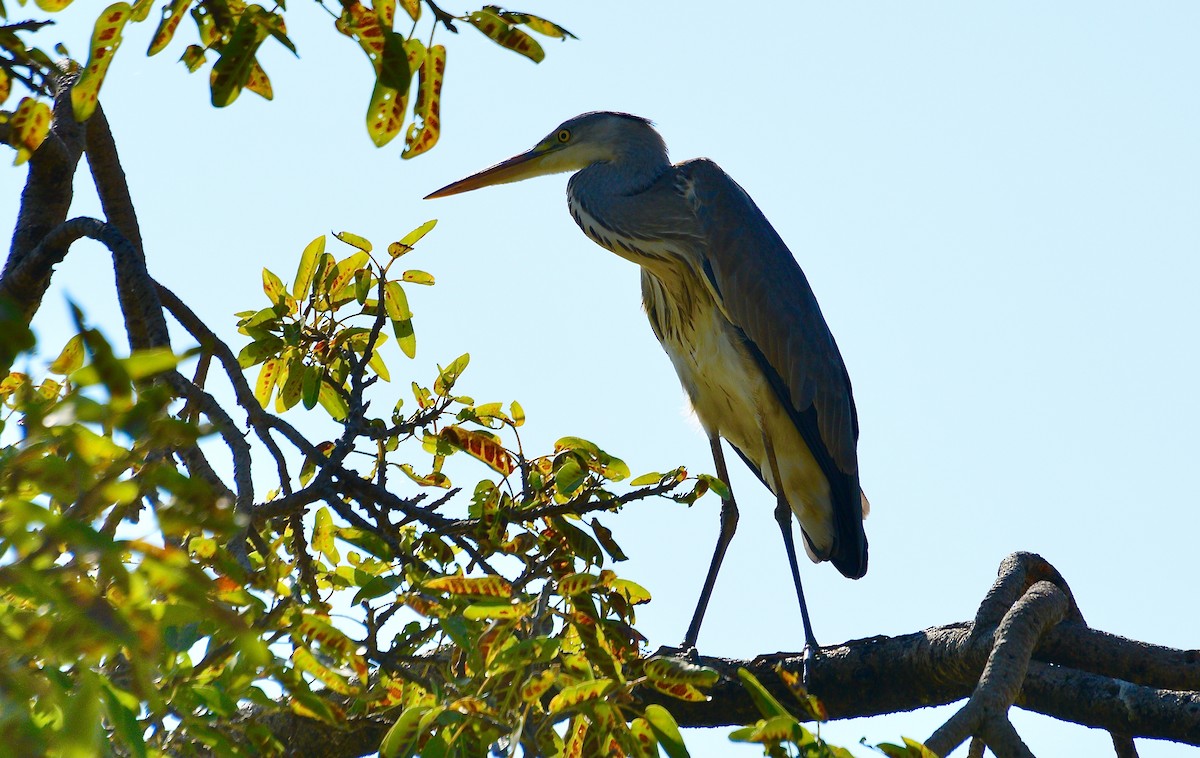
(1026, 657)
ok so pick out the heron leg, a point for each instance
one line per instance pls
(729, 520)
(783, 516)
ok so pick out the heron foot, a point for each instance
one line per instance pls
(806, 663)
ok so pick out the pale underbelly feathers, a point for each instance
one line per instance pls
(732, 398)
(727, 389)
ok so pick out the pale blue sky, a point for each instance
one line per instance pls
(997, 206)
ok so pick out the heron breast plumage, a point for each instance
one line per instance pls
(723, 382)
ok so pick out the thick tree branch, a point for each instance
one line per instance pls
(45, 201)
(938, 666)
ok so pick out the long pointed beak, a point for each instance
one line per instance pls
(516, 168)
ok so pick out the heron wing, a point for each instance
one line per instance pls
(763, 292)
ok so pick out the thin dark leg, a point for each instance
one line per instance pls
(729, 519)
(783, 515)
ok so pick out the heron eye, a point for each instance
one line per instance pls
(564, 135)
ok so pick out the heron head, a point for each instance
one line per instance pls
(577, 143)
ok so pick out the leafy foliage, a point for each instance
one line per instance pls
(231, 33)
(148, 606)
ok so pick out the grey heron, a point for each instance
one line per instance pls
(738, 319)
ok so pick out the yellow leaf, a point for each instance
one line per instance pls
(481, 447)
(418, 277)
(362, 25)
(680, 691)
(385, 10)
(412, 8)
(5, 86)
(52, 6)
(578, 732)
(71, 357)
(345, 271)
(308, 663)
(674, 671)
(332, 401)
(633, 592)
(308, 266)
(389, 98)
(429, 104)
(487, 586)
(503, 34)
(400, 739)
(497, 610)
(396, 302)
(354, 240)
(106, 38)
(537, 685)
(574, 695)
(416, 235)
(30, 125)
(172, 15)
(267, 376)
(258, 82)
(573, 584)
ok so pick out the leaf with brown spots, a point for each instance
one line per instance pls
(106, 38)
(429, 104)
(232, 70)
(389, 99)
(502, 33)
(481, 447)
(575, 695)
(30, 125)
(486, 586)
(172, 15)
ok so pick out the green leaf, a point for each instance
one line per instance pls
(345, 270)
(675, 671)
(450, 374)
(766, 703)
(771, 731)
(308, 267)
(666, 731)
(569, 476)
(401, 740)
(396, 302)
(405, 337)
(322, 538)
(716, 485)
(410, 240)
(604, 535)
(580, 543)
(232, 70)
(311, 387)
(275, 291)
(332, 401)
(150, 362)
(518, 414)
(418, 277)
(355, 241)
